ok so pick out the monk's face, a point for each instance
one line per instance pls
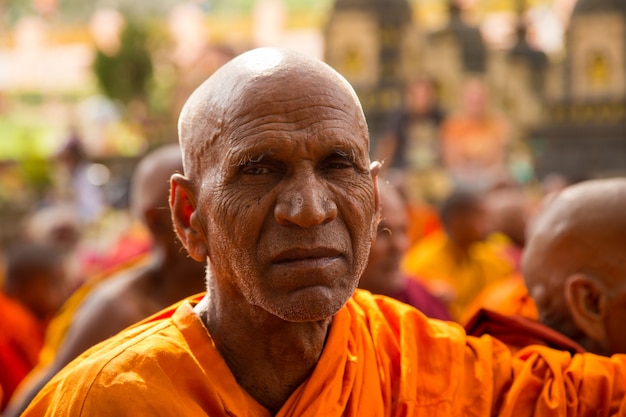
(383, 275)
(289, 209)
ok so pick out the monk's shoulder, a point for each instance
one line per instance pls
(122, 365)
(398, 319)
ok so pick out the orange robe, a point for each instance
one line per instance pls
(474, 150)
(59, 325)
(508, 297)
(518, 332)
(381, 358)
(433, 261)
(21, 338)
(62, 320)
(423, 220)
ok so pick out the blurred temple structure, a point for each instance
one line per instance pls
(585, 132)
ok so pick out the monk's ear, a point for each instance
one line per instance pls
(375, 168)
(184, 217)
(586, 303)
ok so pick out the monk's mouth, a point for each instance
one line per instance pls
(307, 257)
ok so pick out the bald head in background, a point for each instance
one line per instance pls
(149, 196)
(148, 186)
(575, 264)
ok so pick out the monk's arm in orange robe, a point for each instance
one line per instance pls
(381, 358)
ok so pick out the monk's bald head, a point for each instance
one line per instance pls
(150, 184)
(279, 80)
(582, 232)
(582, 229)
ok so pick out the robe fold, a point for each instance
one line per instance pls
(381, 358)
(518, 332)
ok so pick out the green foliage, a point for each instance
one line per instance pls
(126, 75)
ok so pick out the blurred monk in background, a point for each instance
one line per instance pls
(34, 288)
(575, 270)
(509, 209)
(382, 274)
(167, 276)
(456, 263)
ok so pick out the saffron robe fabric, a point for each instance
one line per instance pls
(508, 297)
(518, 332)
(433, 261)
(21, 339)
(381, 358)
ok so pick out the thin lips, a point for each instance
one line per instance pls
(299, 254)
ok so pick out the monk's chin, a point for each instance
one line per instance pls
(315, 303)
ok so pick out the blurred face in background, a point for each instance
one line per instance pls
(382, 274)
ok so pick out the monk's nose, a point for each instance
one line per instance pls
(305, 202)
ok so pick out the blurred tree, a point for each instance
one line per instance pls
(125, 75)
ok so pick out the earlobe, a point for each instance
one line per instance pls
(586, 303)
(183, 206)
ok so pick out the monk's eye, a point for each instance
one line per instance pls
(256, 170)
(338, 160)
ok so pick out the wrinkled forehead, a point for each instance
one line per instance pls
(269, 84)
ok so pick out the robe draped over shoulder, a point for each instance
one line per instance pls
(381, 358)
(518, 332)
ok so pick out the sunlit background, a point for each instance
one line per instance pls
(115, 74)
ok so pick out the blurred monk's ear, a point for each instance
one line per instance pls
(586, 302)
(183, 206)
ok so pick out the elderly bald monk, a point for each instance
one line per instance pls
(575, 270)
(279, 195)
(167, 275)
(575, 265)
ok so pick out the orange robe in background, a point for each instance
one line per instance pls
(423, 220)
(518, 332)
(508, 297)
(433, 261)
(59, 325)
(21, 339)
(474, 150)
(381, 358)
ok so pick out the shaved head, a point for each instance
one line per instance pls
(582, 229)
(222, 104)
(581, 233)
(150, 185)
